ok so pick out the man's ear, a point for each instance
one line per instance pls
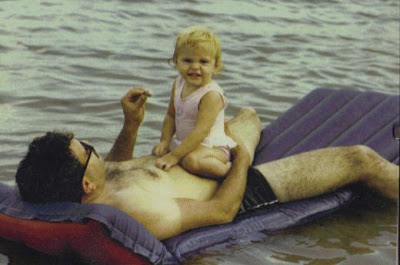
(88, 186)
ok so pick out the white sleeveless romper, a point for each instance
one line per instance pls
(187, 112)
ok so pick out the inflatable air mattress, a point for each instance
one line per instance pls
(102, 234)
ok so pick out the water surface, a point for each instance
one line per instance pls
(65, 65)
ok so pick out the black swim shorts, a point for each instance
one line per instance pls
(258, 192)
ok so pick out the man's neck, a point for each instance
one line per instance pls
(98, 196)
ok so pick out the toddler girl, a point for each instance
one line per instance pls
(196, 108)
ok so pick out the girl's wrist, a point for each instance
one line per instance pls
(165, 141)
(176, 155)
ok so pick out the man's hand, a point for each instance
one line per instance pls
(167, 161)
(160, 149)
(133, 105)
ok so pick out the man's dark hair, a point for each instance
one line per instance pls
(50, 172)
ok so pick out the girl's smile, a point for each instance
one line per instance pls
(196, 65)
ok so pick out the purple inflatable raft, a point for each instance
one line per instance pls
(325, 117)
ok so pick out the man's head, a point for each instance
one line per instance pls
(54, 168)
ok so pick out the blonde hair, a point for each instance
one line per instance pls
(194, 37)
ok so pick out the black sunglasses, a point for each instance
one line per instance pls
(89, 149)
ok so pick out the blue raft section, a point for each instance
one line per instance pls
(325, 117)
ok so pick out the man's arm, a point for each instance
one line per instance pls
(133, 106)
(181, 214)
(225, 204)
(221, 208)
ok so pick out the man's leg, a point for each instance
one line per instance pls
(320, 171)
(246, 126)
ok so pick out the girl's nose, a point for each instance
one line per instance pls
(195, 65)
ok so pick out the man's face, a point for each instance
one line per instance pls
(95, 170)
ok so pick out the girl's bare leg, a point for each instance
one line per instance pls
(208, 162)
(246, 126)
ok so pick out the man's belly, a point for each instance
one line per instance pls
(140, 175)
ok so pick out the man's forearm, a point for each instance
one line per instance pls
(230, 193)
(133, 107)
(124, 145)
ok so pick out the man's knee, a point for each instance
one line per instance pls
(245, 113)
(359, 157)
(366, 154)
(248, 109)
(248, 113)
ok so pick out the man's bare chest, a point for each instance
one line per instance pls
(141, 175)
(133, 173)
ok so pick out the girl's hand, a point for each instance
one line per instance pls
(167, 161)
(160, 149)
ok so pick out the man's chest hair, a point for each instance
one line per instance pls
(124, 178)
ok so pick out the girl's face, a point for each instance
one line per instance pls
(196, 65)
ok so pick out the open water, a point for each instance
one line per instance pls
(65, 65)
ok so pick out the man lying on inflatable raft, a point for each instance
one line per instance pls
(59, 167)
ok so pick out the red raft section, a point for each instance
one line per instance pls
(90, 240)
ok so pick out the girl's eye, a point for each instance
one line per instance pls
(204, 61)
(186, 60)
